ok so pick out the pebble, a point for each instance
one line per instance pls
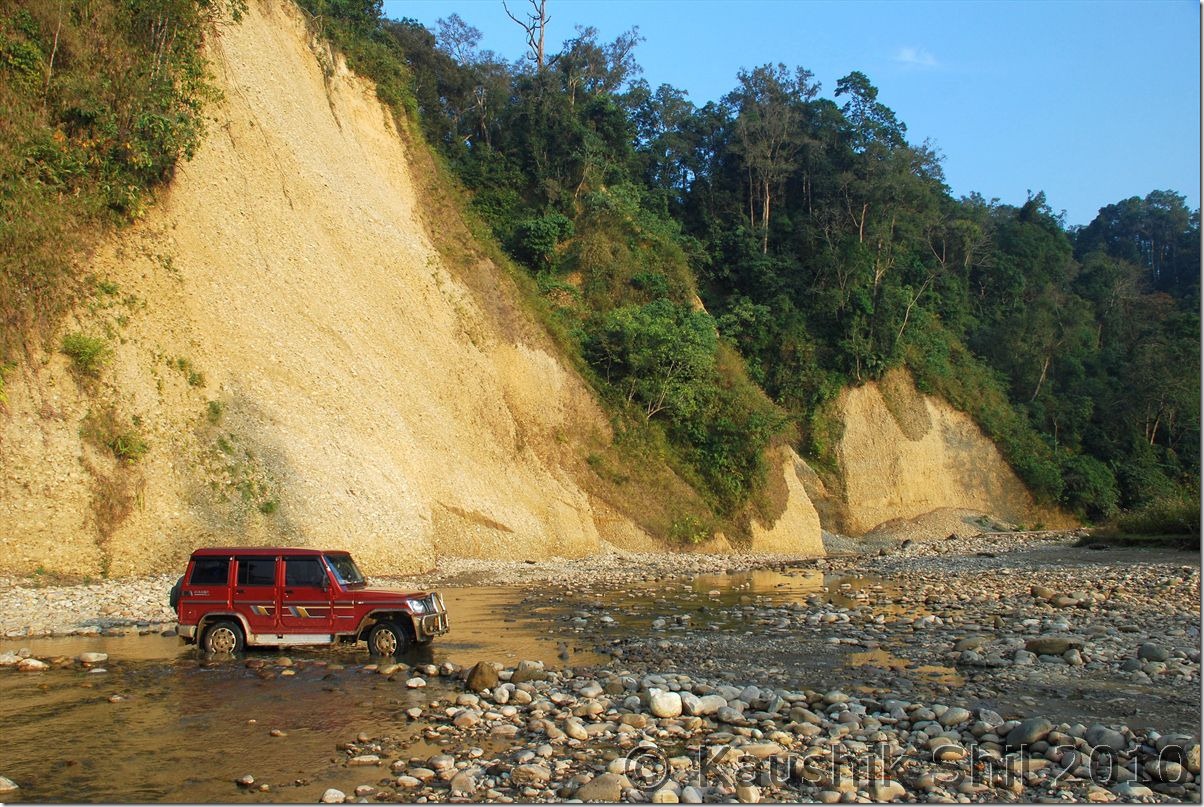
(1028, 732)
(531, 775)
(333, 796)
(606, 787)
(665, 704)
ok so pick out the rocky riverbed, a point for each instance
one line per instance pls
(999, 668)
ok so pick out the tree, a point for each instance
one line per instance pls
(662, 355)
(768, 106)
(534, 26)
(458, 39)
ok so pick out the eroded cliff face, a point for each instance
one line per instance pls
(797, 530)
(903, 454)
(301, 362)
(305, 368)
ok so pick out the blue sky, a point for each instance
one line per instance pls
(1091, 102)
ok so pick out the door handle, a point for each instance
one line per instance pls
(239, 591)
(288, 591)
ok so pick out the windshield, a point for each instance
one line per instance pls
(345, 570)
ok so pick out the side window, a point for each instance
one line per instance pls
(257, 571)
(210, 572)
(303, 572)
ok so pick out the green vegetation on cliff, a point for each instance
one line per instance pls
(826, 248)
(719, 272)
(100, 99)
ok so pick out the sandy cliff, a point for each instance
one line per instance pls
(303, 365)
(903, 454)
(301, 362)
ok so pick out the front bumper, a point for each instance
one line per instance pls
(186, 632)
(432, 623)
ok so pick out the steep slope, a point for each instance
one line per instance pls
(903, 454)
(301, 363)
(361, 396)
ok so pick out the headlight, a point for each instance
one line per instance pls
(418, 606)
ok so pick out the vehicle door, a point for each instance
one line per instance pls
(206, 589)
(254, 595)
(305, 597)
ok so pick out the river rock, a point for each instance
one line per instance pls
(531, 774)
(8, 785)
(482, 676)
(607, 787)
(93, 658)
(333, 796)
(748, 794)
(1102, 736)
(886, 790)
(1051, 645)
(706, 705)
(440, 762)
(665, 795)
(1166, 771)
(465, 719)
(691, 795)
(762, 750)
(1028, 732)
(664, 704)
(31, 665)
(528, 671)
(955, 716)
(1152, 652)
(364, 760)
(1191, 760)
(946, 750)
(575, 729)
(1131, 790)
(465, 782)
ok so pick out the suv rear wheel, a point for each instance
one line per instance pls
(223, 637)
(387, 639)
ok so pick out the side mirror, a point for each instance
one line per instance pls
(325, 583)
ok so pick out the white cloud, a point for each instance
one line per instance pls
(917, 57)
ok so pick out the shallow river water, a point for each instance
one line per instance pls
(182, 730)
(160, 724)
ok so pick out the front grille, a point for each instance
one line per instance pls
(435, 620)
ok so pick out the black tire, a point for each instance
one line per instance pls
(223, 638)
(388, 639)
(174, 597)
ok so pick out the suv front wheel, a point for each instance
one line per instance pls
(223, 637)
(387, 639)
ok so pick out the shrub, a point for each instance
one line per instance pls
(536, 239)
(1090, 486)
(88, 354)
(1175, 514)
(103, 428)
(128, 446)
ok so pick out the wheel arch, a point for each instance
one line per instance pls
(208, 619)
(400, 617)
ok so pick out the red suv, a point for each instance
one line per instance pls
(238, 596)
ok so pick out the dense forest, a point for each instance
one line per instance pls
(719, 272)
(825, 248)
